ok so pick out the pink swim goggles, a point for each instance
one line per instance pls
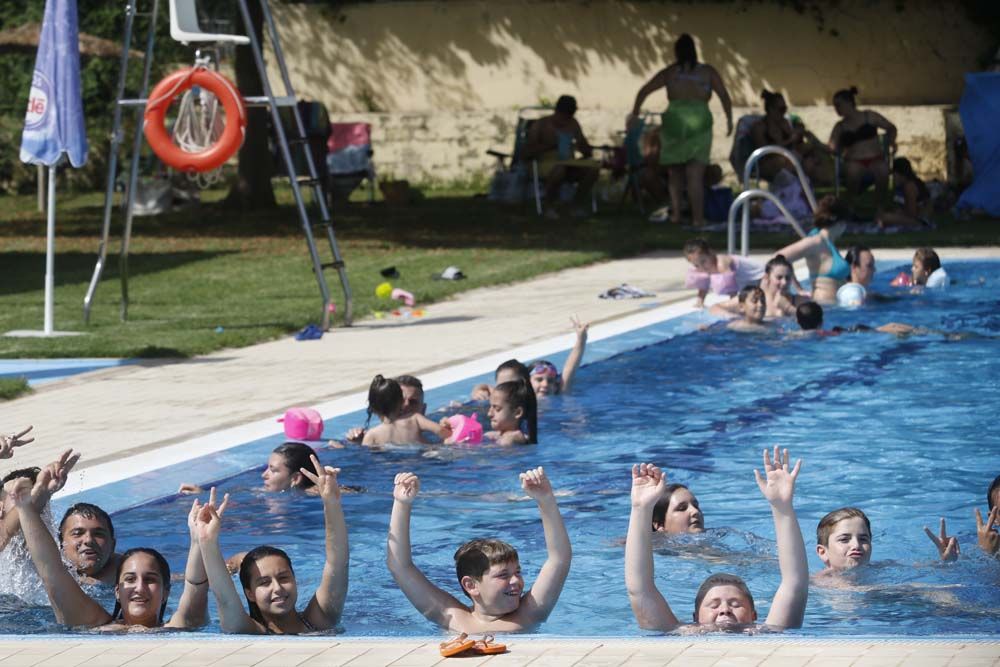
(545, 368)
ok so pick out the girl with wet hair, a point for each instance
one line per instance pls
(142, 581)
(513, 414)
(281, 472)
(678, 511)
(268, 579)
(779, 277)
(385, 400)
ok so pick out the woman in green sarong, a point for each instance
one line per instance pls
(686, 130)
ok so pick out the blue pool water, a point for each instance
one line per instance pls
(904, 428)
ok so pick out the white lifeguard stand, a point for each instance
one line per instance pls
(184, 28)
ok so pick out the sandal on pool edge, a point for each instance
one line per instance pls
(486, 646)
(459, 644)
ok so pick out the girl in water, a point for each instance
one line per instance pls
(385, 400)
(268, 579)
(282, 471)
(723, 600)
(142, 585)
(546, 379)
(513, 414)
(777, 286)
(678, 511)
(827, 269)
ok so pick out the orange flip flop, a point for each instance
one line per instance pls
(486, 646)
(459, 644)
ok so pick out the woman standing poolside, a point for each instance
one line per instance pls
(268, 579)
(686, 129)
(142, 582)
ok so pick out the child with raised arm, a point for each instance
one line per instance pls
(723, 600)
(546, 380)
(267, 577)
(488, 570)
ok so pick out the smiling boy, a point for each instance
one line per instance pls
(488, 570)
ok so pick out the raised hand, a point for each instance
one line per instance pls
(989, 538)
(9, 442)
(649, 483)
(197, 507)
(580, 327)
(407, 485)
(778, 482)
(536, 484)
(325, 479)
(208, 523)
(947, 546)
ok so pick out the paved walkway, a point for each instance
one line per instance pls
(117, 412)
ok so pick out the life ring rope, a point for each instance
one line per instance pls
(155, 115)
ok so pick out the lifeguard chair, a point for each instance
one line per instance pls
(185, 28)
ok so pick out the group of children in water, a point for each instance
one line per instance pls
(487, 570)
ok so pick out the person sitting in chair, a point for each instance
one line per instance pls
(553, 141)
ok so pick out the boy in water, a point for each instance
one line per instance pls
(753, 305)
(723, 600)
(488, 570)
(844, 540)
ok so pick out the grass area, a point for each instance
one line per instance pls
(11, 388)
(209, 278)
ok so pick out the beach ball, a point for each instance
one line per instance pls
(383, 290)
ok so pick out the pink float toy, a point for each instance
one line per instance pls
(902, 280)
(404, 296)
(302, 424)
(466, 429)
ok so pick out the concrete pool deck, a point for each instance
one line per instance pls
(142, 408)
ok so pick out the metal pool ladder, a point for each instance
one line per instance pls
(184, 28)
(750, 193)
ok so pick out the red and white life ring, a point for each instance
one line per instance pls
(160, 99)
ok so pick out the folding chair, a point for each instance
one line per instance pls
(635, 160)
(349, 159)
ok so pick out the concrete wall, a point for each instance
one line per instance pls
(441, 81)
(445, 146)
(466, 54)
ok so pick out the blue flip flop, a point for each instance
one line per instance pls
(310, 332)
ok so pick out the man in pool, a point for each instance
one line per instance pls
(87, 540)
(413, 403)
(723, 601)
(488, 570)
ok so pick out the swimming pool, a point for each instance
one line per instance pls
(899, 427)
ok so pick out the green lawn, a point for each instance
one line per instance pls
(209, 278)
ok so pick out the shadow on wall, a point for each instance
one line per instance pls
(474, 55)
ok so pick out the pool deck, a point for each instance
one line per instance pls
(174, 402)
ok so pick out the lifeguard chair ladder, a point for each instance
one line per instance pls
(184, 28)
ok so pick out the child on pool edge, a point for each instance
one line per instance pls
(722, 274)
(385, 400)
(513, 414)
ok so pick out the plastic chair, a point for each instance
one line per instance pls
(349, 159)
(184, 26)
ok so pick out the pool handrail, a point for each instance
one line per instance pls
(741, 202)
(748, 168)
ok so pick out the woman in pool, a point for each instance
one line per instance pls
(777, 286)
(268, 579)
(282, 471)
(723, 600)
(827, 268)
(143, 577)
(678, 511)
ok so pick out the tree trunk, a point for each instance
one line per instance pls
(252, 189)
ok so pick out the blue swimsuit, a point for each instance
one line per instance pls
(840, 270)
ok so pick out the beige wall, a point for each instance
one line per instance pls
(449, 75)
(446, 146)
(502, 54)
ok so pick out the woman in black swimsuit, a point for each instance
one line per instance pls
(855, 139)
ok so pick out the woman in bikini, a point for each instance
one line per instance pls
(827, 269)
(855, 139)
(686, 129)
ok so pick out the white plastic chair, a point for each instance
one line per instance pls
(184, 26)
